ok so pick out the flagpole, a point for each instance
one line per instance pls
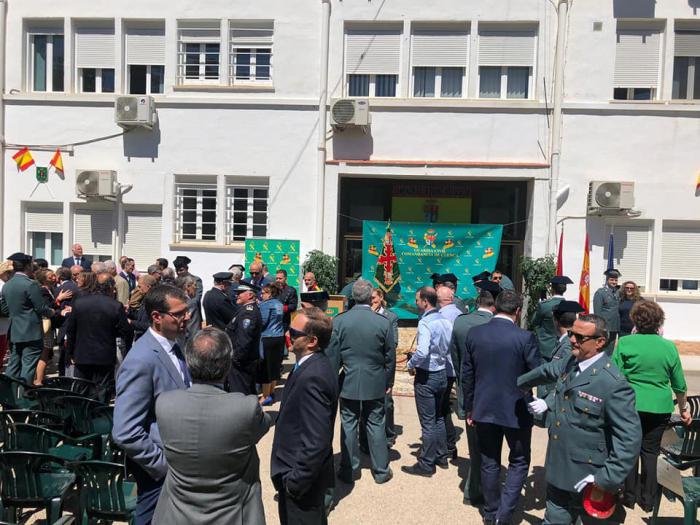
(3, 9)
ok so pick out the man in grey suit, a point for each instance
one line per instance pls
(23, 303)
(458, 348)
(154, 365)
(213, 476)
(362, 345)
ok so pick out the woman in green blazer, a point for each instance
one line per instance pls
(653, 369)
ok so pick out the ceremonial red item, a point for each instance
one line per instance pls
(598, 503)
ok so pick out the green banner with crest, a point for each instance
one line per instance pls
(400, 257)
(277, 254)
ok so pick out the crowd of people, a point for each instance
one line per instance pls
(190, 373)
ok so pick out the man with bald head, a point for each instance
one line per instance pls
(310, 282)
(256, 275)
(77, 259)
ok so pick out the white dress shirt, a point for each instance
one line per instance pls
(582, 365)
(504, 316)
(167, 345)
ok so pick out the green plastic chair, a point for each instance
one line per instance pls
(78, 410)
(46, 399)
(104, 492)
(81, 387)
(12, 392)
(680, 450)
(28, 483)
(33, 438)
(34, 417)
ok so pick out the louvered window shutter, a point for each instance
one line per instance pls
(43, 219)
(94, 48)
(507, 48)
(680, 252)
(93, 229)
(637, 58)
(145, 47)
(435, 48)
(687, 44)
(142, 236)
(631, 255)
(373, 52)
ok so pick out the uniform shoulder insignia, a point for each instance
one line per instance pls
(613, 370)
(250, 307)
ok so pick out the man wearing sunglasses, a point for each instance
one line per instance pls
(594, 429)
(155, 364)
(302, 450)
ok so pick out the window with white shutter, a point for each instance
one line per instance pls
(680, 257)
(43, 224)
(142, 236)
(506, 60)
(686, 62)
(145, 60)
(372, 61)
(439, 59)
(637, 61)
(631, 254)
(93, 229)
(251, 53)
(94, 59)
(199, 52)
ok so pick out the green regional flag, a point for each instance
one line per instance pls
(400, 257)
(388, 274)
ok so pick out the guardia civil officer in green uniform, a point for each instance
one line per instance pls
(595, 433)
(362, 346)
(606, 303)
(546, 334)
(23, 303)
(563, 317)
(458, 348)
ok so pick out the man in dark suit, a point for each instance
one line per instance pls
(302, 468)
(362, 345)
(154, 365)
(23, 303)
(458, 348)
(213, 475)
(244, 330)
(77, 259)
(288, 297)
(94, 325)
(496, 354)
(218, 308)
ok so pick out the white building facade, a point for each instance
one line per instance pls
(462, 105)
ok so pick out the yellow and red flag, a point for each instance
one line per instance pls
(57, 161)
(584, 287)
(23, 158)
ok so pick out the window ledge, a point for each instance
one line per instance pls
(453, 103)
(674, 297)
(207, 246)
(238, 88)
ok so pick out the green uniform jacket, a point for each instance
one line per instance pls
(543, 323)
(394, 320)
(594, 426)
(362, 345)
(458, 343)
(459, 303)
(23, 303)
(606, 303)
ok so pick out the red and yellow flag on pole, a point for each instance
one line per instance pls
(57, 161)
(560, 253)
(23, 158)
(584, 287)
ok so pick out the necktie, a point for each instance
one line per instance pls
(183, 366)
(77, 261)
(296, 367)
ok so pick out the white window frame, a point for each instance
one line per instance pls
(199, 187)
(630, 95)
(200, 33)
(148, 78)
(252, 78)
(47, 244)
(372, 84)
(98, 80)
(201, 75)
(693, 63)
(504, 84)
(438, 82)
(230, 187)
(49, 60)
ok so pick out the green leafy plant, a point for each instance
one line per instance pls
(536, 274)
(324, 267)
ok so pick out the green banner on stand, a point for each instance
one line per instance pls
(400, 257)
(278, 254)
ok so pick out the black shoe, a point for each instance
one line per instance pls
(474, 502)
(348, 478)
(443, 464)
(417, 470)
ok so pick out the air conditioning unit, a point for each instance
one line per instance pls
(350, 112)
(96, 183)
(610, 198)
(135, 111)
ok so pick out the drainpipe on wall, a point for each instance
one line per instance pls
(322, 114)
(3, 15)
(559, 61)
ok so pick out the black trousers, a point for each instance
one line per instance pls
(102, 375)
(241, 378)
(296, 512)
(450, 430)
(643, 488)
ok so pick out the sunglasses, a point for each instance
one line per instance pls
(496, 279)
(580, 338)
(254, 273)
(296, 334)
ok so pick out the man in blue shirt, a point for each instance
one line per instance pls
(430, 366)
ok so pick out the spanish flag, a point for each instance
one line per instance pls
(584, 287)
(57, 161)
(23, 158)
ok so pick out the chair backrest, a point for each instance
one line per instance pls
(78, 386)
(78, 410)
(30, 438)
(102, 487)
(10, 391)
(47, 398)
(8, 419)
(694, 406)
(20, 472)
(691, 441)
(101, 420)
